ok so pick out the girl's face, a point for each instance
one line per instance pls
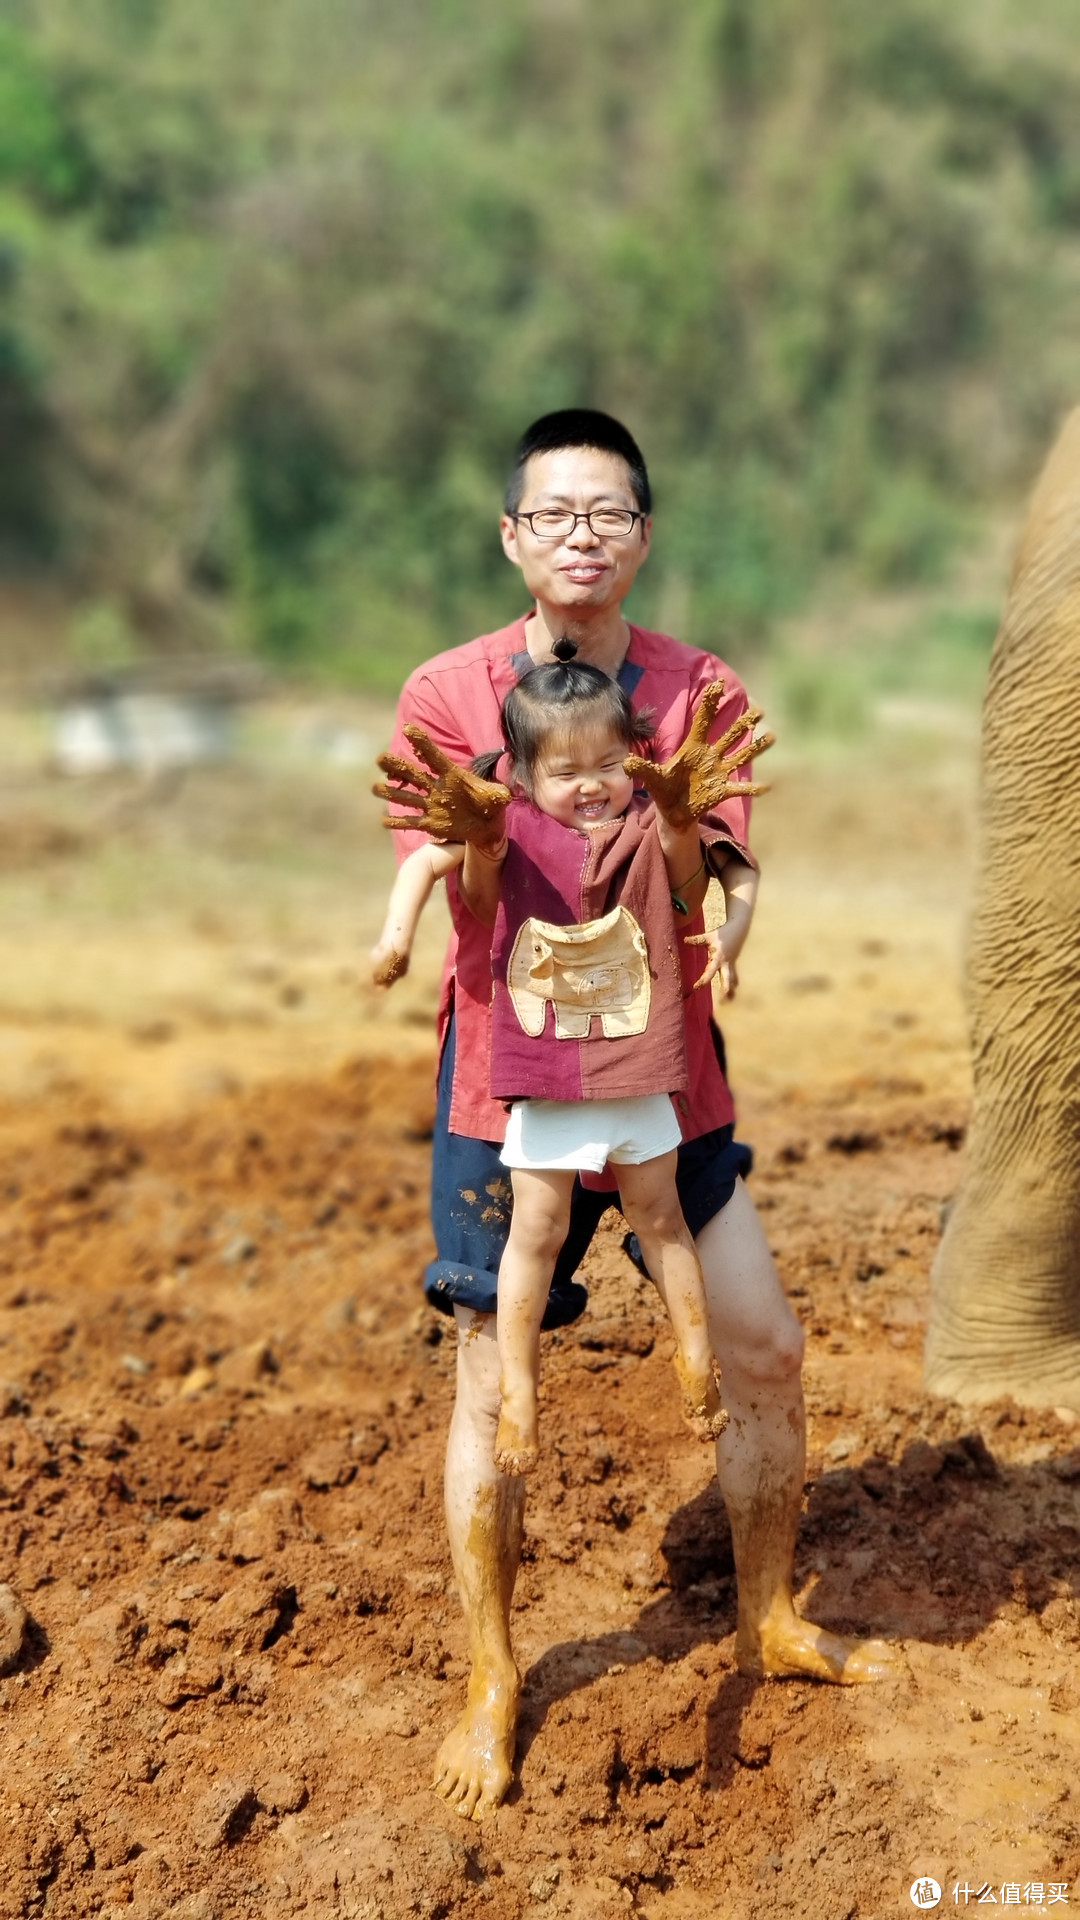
(579, 779)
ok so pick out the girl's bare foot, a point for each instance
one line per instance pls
(517, 1441)
(702, 1411)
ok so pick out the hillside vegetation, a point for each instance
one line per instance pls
(280, 283)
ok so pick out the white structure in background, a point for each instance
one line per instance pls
(148, 721)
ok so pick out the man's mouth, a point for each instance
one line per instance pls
(584, 574)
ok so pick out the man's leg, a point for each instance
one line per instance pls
(484, 1517)
(761, 1455)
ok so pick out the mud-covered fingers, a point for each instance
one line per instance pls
(430, 754)
(656, 780)
(745, 723)
(749, 751)
(640, 769)
(488, 796)
(707, 708)
(417, 803)
(405, 823)
(407, 771)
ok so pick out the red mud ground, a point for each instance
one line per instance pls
(220, 1482)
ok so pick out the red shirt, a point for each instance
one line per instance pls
(457, 698)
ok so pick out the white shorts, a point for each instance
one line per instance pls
(581, 1136)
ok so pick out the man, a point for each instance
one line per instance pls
(577, 523)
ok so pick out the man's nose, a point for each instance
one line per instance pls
(582, 535)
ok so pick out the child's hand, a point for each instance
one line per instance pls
(450, 802)
(718, 962)
(698, 777)
(388, 964)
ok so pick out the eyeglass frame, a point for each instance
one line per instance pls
(634, 512)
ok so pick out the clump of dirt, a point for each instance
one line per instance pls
(230, 1643)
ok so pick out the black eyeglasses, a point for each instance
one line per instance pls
(557, 523)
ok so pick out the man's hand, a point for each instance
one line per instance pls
(718, 962)
(449, 802)
(699, 776)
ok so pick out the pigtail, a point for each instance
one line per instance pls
(486, 763)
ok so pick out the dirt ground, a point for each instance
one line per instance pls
(223, 1407)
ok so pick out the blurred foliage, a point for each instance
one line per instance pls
(924, 669)
(280, 284)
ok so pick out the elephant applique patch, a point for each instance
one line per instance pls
(599, 969)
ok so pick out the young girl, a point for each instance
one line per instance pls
(584, 882)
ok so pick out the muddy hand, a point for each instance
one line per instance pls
(447, 801)
(717, 964)
(387, 964)
(699, 776)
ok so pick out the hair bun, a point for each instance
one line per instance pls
(565, 649)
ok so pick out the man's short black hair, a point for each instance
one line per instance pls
(578, 427)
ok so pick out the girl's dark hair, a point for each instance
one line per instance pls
(560, 699)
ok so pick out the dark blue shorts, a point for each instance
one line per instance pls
(471, 1199)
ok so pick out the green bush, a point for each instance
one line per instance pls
(283, 295)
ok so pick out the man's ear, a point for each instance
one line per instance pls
(646, 536)
(508, 536)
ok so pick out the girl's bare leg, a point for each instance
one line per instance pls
(537, 1230)
(651, 1206)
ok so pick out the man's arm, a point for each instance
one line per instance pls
(409, 896)
(740, 888)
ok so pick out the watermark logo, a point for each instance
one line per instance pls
(925, 1893)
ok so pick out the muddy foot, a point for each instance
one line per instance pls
(517, 1442)
(514, 1455)
(801, 1650)
(701, 1407)
(475, 1764)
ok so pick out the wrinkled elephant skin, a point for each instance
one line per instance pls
(1005, 1306)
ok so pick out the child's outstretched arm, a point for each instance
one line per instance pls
(409, 896)
(697, 778)
(481, 878)
(454, 805)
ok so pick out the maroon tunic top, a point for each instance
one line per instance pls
(557, 874)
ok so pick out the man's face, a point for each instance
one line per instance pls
(579, 572)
